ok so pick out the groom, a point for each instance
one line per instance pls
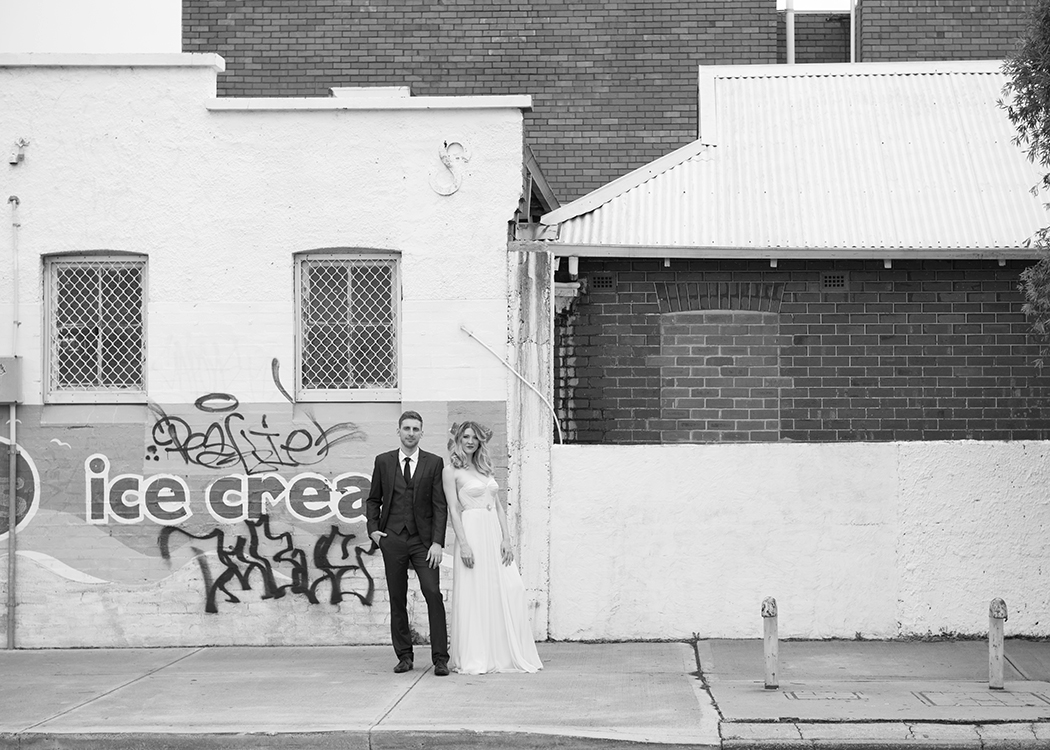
(406, 514)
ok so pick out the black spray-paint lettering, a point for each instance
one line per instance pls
(243, 559)
(232, 442)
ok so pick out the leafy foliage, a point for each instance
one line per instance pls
(1027, 104)
(1035, 286)
(1028, 88)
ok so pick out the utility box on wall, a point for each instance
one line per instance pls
(10, 380)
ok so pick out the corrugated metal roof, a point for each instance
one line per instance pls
(861, 156)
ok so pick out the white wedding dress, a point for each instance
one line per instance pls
(490, 621)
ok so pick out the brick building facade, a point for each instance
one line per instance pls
(836, 258)
(817, 351)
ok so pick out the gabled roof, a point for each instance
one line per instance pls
(827, 158)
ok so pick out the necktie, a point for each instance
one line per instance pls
(408, 474)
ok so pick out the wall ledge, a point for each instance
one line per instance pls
(120, 60)
(261, 104)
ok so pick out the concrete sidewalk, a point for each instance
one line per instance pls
(880, 694)
(587, 696)
(833, 694)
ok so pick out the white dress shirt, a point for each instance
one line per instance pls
(412, 461)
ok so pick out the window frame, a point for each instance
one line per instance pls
(49, 339)
(302, 394)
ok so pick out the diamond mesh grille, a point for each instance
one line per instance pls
(349, 324)
(96, 325)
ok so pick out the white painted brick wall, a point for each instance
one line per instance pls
(220, 202)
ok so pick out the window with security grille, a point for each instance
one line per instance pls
(348, 324)
(96, 337)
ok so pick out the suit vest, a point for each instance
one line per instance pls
(402, 511)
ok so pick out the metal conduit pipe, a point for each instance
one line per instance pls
(12, 508)
(789, 23)
(12, 504)
(853, 30)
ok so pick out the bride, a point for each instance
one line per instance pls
(490, 623)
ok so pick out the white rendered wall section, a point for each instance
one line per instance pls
(883, 540)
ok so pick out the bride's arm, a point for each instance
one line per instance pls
(505, 548)
(448, 482)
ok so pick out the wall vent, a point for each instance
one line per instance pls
(602, 282)
(834, 281)
(689, 296)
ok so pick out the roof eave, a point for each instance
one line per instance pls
(539, 181)
(562, 249)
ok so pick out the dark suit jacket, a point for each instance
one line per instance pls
(428, 504)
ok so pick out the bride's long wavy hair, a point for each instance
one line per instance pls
(481, 461)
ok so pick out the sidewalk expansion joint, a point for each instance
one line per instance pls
(1016, 666)
(394, 705)
(94, 698)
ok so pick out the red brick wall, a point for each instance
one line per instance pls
(940, 29)
(819, 38)
(614, 84)
(926, 350)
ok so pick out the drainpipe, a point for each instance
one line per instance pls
(789, 22)
(853, 31)
(12, 508)
(12, 504)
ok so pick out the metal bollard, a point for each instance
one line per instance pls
(772, 646)
(996, 653)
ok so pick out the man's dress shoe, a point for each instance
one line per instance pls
(441, 668)
(405, 665)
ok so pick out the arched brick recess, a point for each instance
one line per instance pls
(720, 376)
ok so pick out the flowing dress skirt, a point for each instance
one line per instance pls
(490, 620)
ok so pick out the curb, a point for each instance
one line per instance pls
(354, 740)
(349, 740)
(884, 736)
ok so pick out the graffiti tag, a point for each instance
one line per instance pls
(231, 441)
(243, 560)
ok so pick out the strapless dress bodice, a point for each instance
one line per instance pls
(476, 491)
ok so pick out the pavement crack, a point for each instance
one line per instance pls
(94, 698)
(704, 684)
(695, 641)
(992, 742)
